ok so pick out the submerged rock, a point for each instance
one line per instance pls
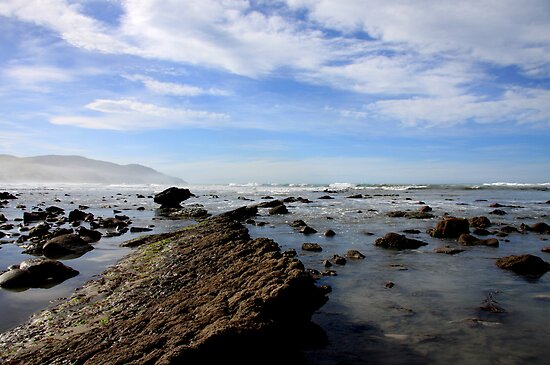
(448, 250)
(528, 265)
(469, 240)
(540, 227)
(314, 247)
(398, 242)
(354, 254)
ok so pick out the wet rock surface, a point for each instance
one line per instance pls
(172, 197)
(398, 242)
(205, 294)
(528, 265)
(451, 228)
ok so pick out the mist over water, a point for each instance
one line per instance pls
(432, 313)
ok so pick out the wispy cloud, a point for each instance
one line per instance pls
(132, 115)
(172, 88)
(35, 78)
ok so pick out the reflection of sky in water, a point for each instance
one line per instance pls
(433, 302)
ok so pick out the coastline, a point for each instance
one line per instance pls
(205, 293)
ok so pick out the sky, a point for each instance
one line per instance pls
(283, 91)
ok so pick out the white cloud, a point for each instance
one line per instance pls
(427, 51)
(171, 88)
(516, 105)
(132, 115)
(35, 78)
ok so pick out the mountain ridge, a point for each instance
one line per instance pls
(77, 169)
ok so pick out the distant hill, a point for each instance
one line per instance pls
(77, 169)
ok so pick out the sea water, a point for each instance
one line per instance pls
(431, 314)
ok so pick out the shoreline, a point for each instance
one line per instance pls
(204, 293)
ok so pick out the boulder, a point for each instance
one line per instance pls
(7, 195)
(113, 223)
(88, 235)
(308, 230)
(53, 210)
(298, 223)
(425, 209)
(469, 240)
(34, 216)
(354, 254)
(528, 265)
(540, 227)
(398, 241)
(314, 247)
(36, 273)
(546, 249)
(279, 209)
(339, 260)
(451, 228)
(40, 230)
(3, 218)
(270, 204)
(498, 212)
(66, 245)
(77, 215)
(480, 222)
(172, 197)
(329, 233)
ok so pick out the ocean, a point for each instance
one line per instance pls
(393, 307)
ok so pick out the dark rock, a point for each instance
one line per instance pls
(60, 232)
(3, 218)
(498, 212)
(314, 247)
(410, 215)
(184, 213)
(267, 197)
(326, 197)
(509, 229)
(448, 250)
(290, 253)
(481, 232)
(140, 208)
(540, 227)
(7, 195)
(327, 263)
(303, 200)
(469, 240)
(66, 245)
(88, 235)
(280, 209)
(480, 222)
(55, 210)
(451, 228)
(241, 214)
(425, 209)
(329, 273)
(411, 231)
(397, 241)
(496, 205)
(329, 233)
(354, 254)
(356, 196)
(122, 217)
(308, 230)
(528, 265)
(41, 229)
(139, 229)
(83, 207)
(77, 215)
(396, 214)
(389, 284)
(260, 224)
(140, 196)
(172, 197)
(298, 223)
(339, 260)
(7, 226)
(112, 223)
(271, 204)
(34, 216)
(36, 273)
(546, 249)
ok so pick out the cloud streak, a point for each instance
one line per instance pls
(132, 115)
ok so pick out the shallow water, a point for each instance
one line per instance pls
(431, 315)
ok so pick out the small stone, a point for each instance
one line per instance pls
(339, 260)
(448, 250)
(327, 263)
(498, 212)
(389, 284)
(308, 230)
(329, 233)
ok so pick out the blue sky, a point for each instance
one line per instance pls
(295, 91)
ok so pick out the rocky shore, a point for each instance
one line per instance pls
(203, 294)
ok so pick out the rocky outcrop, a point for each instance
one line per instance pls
(172, 197)
(450, 228)
(398, 242)
(528, 265)
(206, 294)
